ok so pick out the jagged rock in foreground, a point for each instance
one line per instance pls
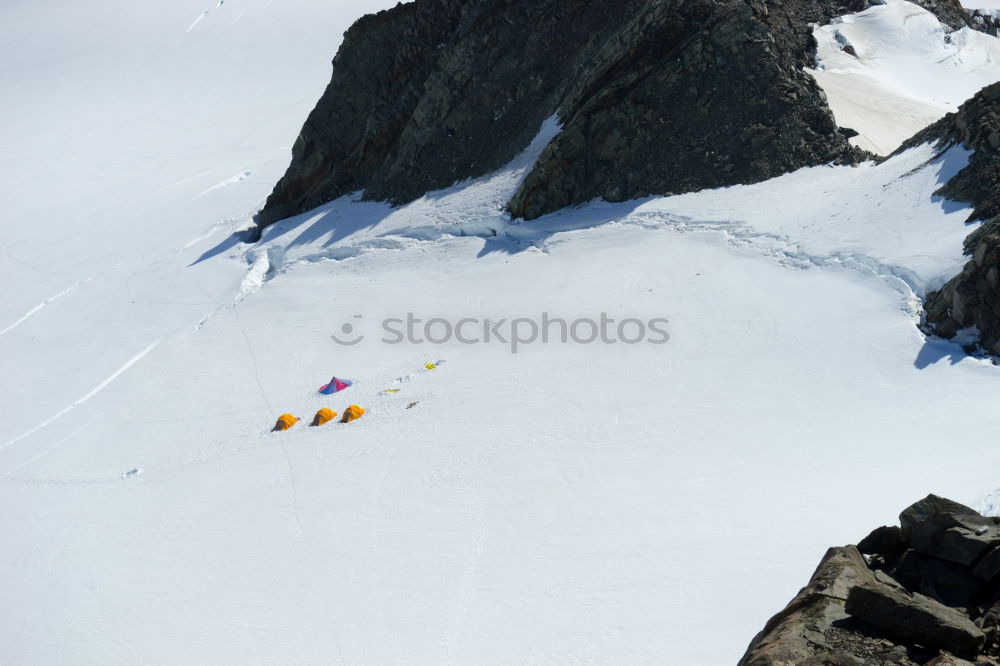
(913, 618)
(655, 96)
(925, 593)
(972, 298)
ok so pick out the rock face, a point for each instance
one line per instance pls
(984, 21)
(654, 96)
(914, 618)
(928, 592)
(687, 96)
(972, 298)
(950, 12)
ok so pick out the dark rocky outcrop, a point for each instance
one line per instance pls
(972, 298)
(950, 12)
(927, 593)
(984, 21)
(885, 539)
(685, 100)
(655, 96)
(809, 626)
(913, 618)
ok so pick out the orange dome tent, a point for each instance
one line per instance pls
(285, 421)
(351, 413)
(322, 416)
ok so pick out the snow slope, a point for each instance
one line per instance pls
(906, 71)
(129, 145)
(568, 503)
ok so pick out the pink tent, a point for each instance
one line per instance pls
(335, 385)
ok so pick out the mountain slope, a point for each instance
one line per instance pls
(570, 502)
(653, 96)
(895, 68)
(968, 303)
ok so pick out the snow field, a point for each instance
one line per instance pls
(569, 503)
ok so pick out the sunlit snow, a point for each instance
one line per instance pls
(568, 503)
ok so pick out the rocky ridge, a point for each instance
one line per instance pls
(985, 21)
(654, 97)
(972, 298)
(926, 592)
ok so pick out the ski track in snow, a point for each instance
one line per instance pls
(117, 634)
(227, 223)
(184, 180)
(35, 310)
(97, 389)
(202, 16)
(466, 589)
(197, 21)
(307, 545)
(59, 443)
(48, 301)
(207, 318)
(215, 228)
(238, 178)
(26, 264)
(376, 525)
(253, 360)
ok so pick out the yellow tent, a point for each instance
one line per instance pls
(351, 413)
(285, 421)
(322, 416)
